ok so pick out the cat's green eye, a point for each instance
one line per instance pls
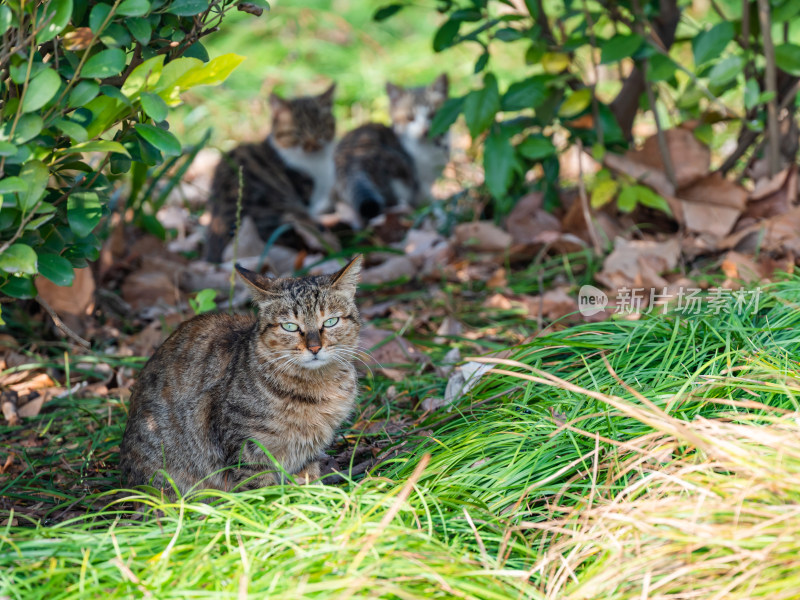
(290, 326)
(331, 322)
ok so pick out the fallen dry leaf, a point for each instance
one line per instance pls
(395, 351)
(143, 289)
(712, 205)
(772, 196)
(639, 263)
(552, 305)
(396, 268)
(777, 234)
(737, 266)
(482, 236)
(528, 219)
(691, 159)
(72, 304)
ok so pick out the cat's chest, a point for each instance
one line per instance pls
(429, 160)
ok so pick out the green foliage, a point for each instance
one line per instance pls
(204, 301)
(87, 87)
(557, 92)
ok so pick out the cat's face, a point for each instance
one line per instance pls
(307, 322)
(304, 123)
(413, 109)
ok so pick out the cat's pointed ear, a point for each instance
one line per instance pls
(441, 84)
(326, 97)
(261, 288)
(276, 103)
(393, 91)
(347, 279)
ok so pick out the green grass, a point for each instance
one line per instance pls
(511, 461)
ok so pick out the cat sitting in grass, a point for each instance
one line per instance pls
(232, 402)
(286, 178)
(380, 167)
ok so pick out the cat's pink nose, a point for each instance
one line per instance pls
(315, 349)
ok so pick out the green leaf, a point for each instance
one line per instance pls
(603, 192)
(56, 14)
(140, 29)
(28, 127)
(384, 12)
(445, 35)
(160, 138)
(554, 62)
(649, 198)
(96, 146)
(154, 106)
(499, 163)
(6, 16)
(709, 45)
(83, 93)
(576, 103)
(98, 16)
(35, 175)
(480, 106)
(13, 185)
(528, 93)
(18, 258)
(787, 57)
(203, 301)
(214, 72)
(626, 201)
(620, 46)
(19, 287)
(536, 147)
(187, 8)
(726, 70)
(751, 93)
(481, 63)
(41, 90)
(661, 68)
(83, 212)
(7, 149)
(115, 36)
(105, 113)
(133, 8)
(104, 64)
(57, 269)
(446, 116)
(146, 75)
(72, 130)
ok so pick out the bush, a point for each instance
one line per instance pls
(86, 88)
(725, 69)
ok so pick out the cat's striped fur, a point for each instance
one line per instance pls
(284, 178)
(222, 389)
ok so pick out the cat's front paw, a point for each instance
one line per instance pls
(308, 474)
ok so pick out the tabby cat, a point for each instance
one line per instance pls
(378, 167)
(225, 390)
(285, 177)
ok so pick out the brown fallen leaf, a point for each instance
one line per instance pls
(552, 305)
(772, 196)
(712, 205)
(777, 234)
(482, 236)
(639, 263)
(528, 219)
(8, 404)
(8, 462)
(144, 289)
(381, 352)
(737, 266)
(691, 159)
(73, 304)
(396, 268)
